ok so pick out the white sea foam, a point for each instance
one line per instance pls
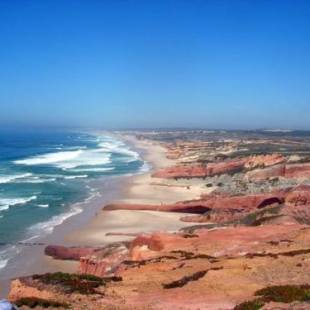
(5, 203)
(43, 205)
(145, 167)
(99, 169)
(48, 226)
(26, 178)
(69, 177)
(119, 147)
(13, 177)
(68, 159)
(37, 180)
(3, 263)
(51, 158)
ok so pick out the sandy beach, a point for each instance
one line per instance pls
(97, 227)
(121, 225)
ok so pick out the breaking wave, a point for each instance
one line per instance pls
(119, 147)
(92, 169)
(68, 159)
(13, 177)
(48, 226)
(6, 203)
(61, 169)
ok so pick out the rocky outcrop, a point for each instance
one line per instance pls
(68, 253)
(217, 168)
(294, 207)
(21, 289)
(289, 171)
(233, 204)
(212, 242)
(200, 171)
(298, 196)
(264, 161)
(215, 216)
(196, 206)
(106, 261)
(224, 208)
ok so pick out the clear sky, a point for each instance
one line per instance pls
(121, 63)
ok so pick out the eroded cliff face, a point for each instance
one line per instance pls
(289, 171)
(290, 205)
(217, 168)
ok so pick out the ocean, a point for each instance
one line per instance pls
(44, 175)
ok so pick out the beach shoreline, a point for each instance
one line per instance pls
(96, 227)
(123, 225)
(30, 257)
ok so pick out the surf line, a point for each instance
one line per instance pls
(22, 243)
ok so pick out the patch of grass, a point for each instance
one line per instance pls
(255, 304)
(285, 293)
(33, 302)
(80, 283)
(183, 281)
(186, 279)
(265, 219)
(280, 293)
(254, 218)
(189, 255)
(190, 236)
(276, 255)
(138, 264)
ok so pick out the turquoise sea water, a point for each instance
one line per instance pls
(43, 174)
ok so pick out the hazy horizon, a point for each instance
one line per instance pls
(155, 64)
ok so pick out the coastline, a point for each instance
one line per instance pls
(93, 226)
(257, 239)
(123, 225)
(32, 259)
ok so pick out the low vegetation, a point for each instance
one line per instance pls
(33, 302)
(79, 283)
(183, 281)
(255, 304)
(285, 293)
(280, 293)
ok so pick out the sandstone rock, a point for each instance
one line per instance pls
(296, 202)
(290, 171)
(227, 167)
(106, 261)
(193, 207)
(209, 202)
(68, 253)
(264, 161)
(200, 171)
(20, 289)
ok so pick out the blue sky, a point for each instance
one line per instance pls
(117, 63)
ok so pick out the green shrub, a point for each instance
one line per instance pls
(285, 293)
(80, 283)
(33, 302)
(280, 293)
(255, 304)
